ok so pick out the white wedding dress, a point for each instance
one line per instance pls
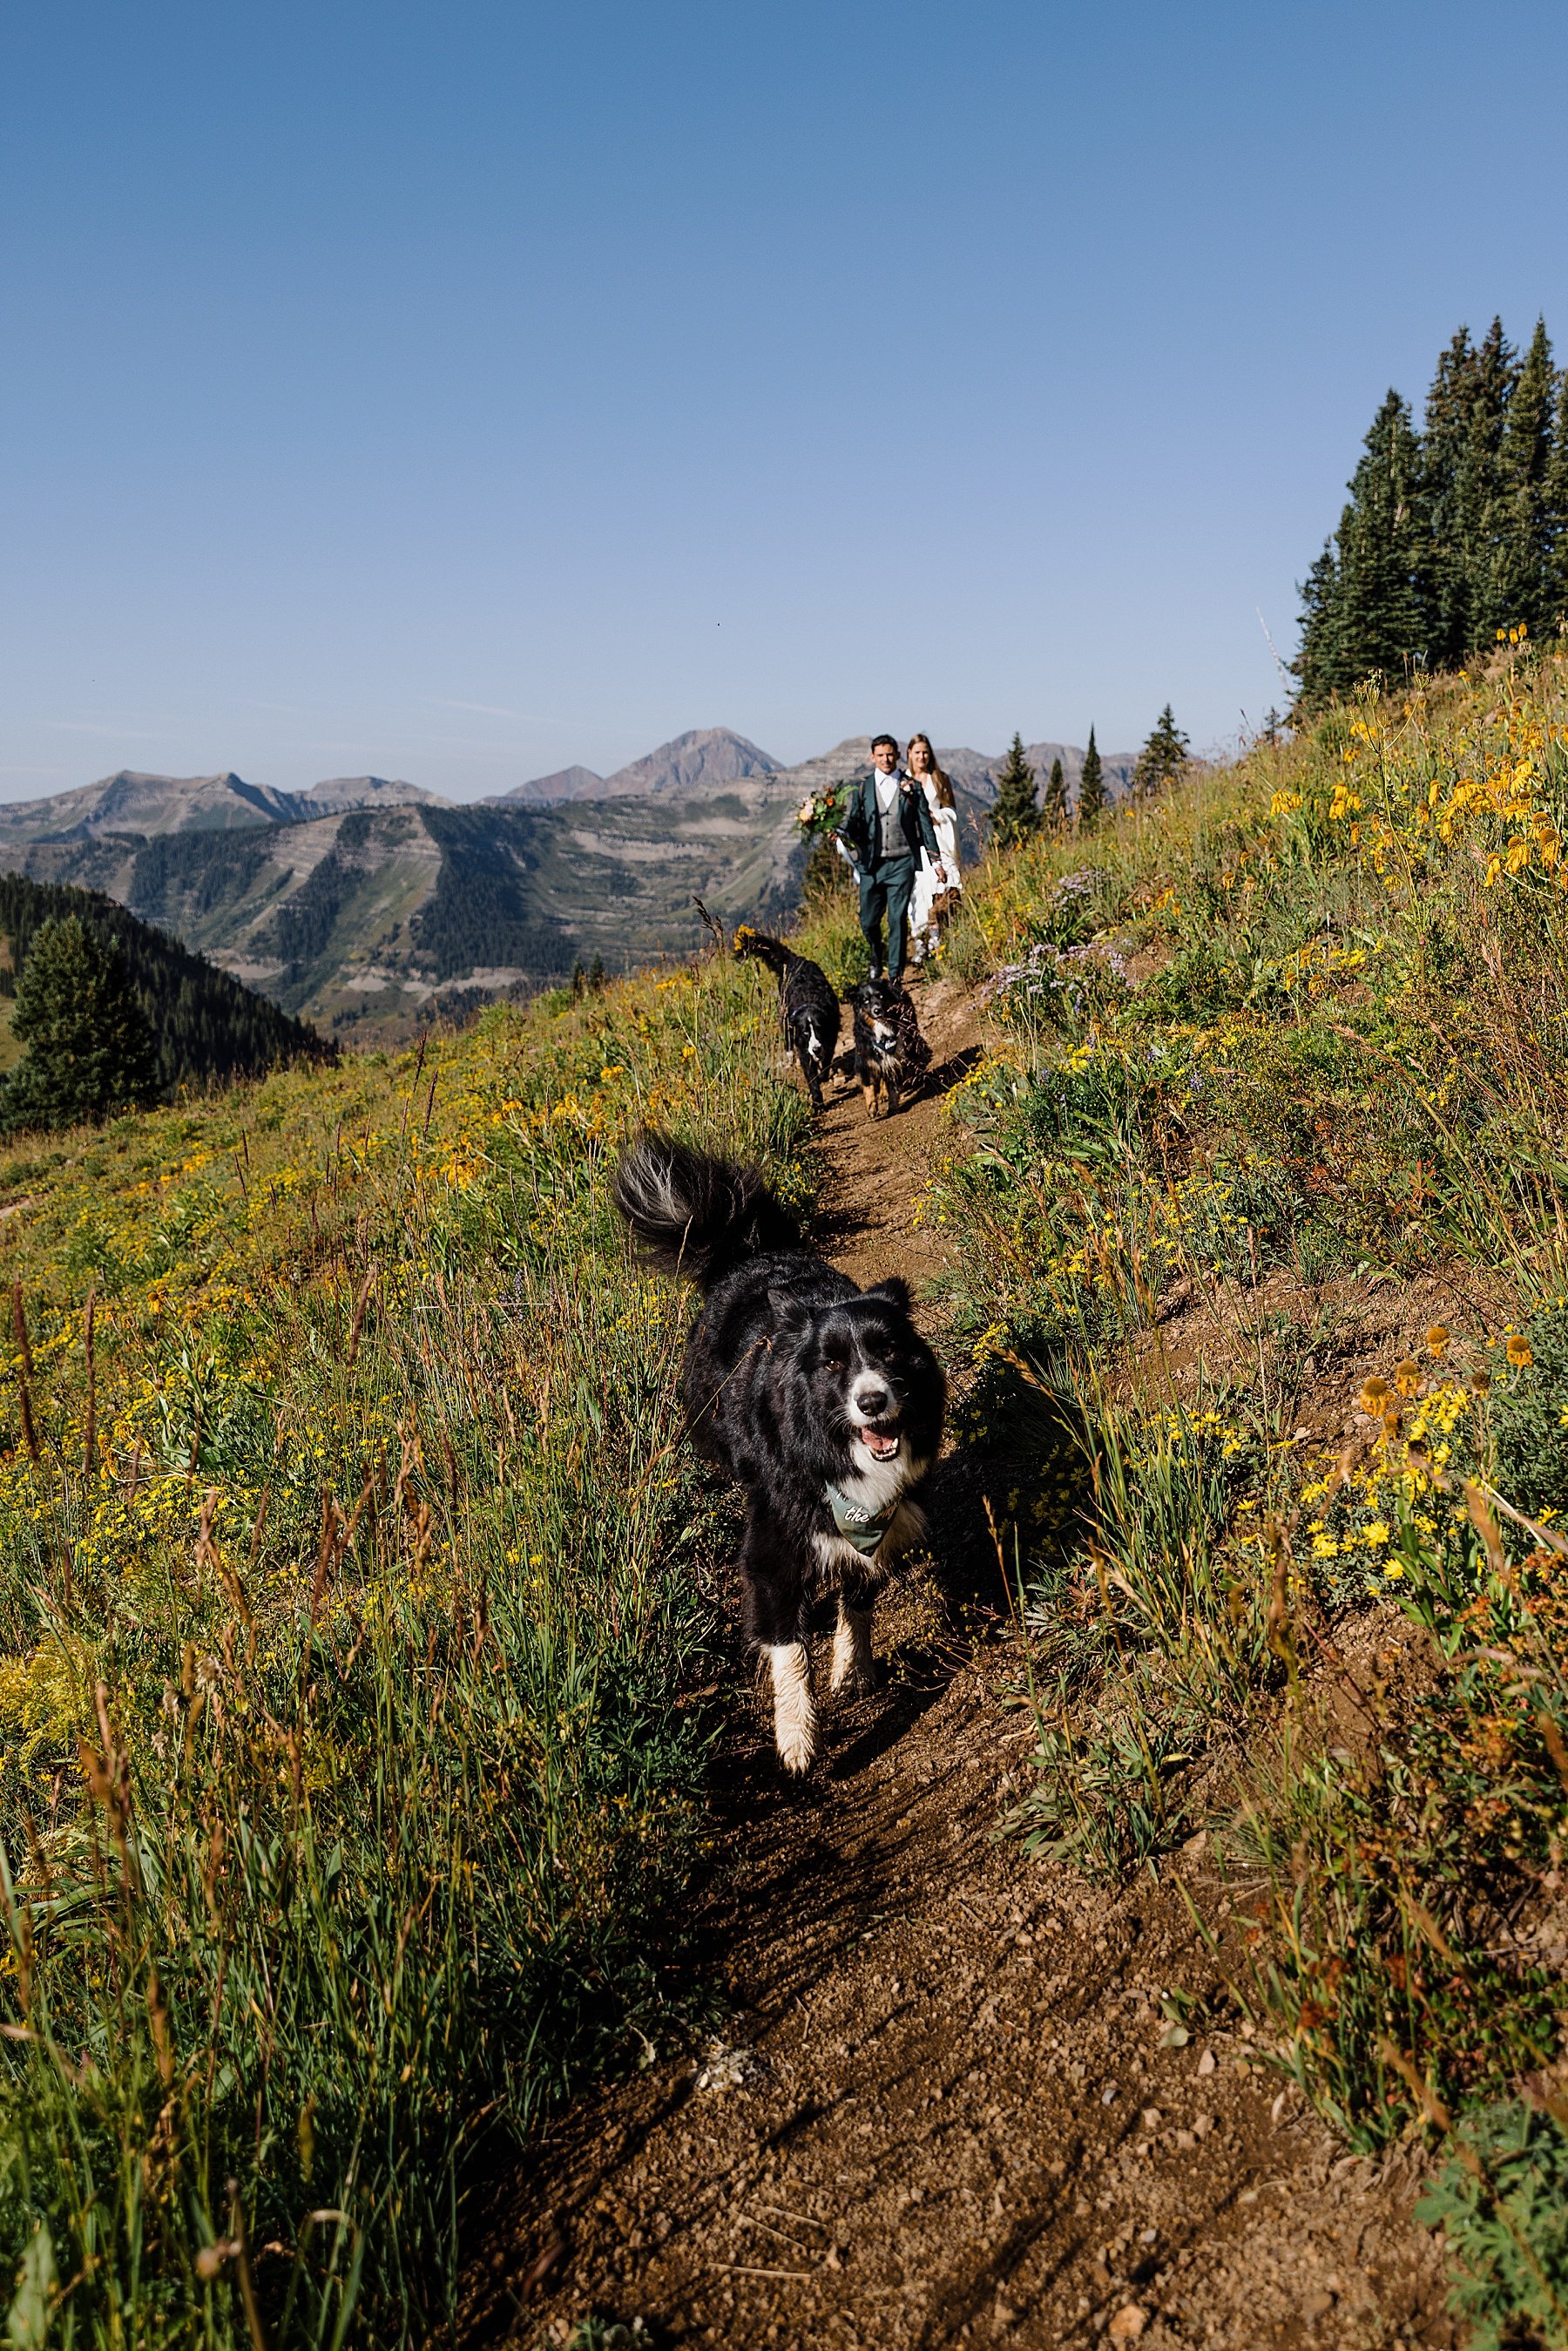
(927, 889)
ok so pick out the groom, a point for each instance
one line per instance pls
(887, 826)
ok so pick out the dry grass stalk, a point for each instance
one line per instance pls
(89, 1431)
(1278, 1630)
(360, 1303)
(24, 1370)
(1486, 1526)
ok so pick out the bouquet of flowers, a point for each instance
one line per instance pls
(823, 812)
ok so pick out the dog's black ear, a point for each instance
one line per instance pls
(789, 1313)
(896, 1289)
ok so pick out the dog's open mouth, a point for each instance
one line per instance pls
(882, 1444)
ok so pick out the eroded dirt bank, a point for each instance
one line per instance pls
(939, 2110)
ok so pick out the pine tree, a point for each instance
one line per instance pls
(1053, 809)
(1362, 615)
(1162, 758)
(90, 1043)
(1443, 576)
(1381, 629)
(1483, 500)
(1520, 585)
(1091, 787)
(1317, 662)
(1555, 500)
(1014, 812)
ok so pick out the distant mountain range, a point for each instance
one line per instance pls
(364, 904)
(131, 803)
(548, 792)
(705, 759)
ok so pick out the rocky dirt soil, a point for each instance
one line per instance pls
(945, 2104)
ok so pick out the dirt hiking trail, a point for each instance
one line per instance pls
(936, 2109)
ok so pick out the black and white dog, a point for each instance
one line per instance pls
(808, 1008)
(821, 1400)
(890, 1054)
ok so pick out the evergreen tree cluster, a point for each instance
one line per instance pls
(112, 1011)
(1017, 814)
(1453, 534)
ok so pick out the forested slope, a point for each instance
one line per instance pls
(206, 1027)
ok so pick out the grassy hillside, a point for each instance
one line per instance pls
(350, 1586)
(354, 1589)
(1259, 1205)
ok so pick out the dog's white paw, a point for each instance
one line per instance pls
(860, 1681)
(852, 1669)
(795, 1714)
(798, 1749)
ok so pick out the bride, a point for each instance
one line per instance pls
(932, 880)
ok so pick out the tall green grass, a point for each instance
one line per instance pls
(352, 1581)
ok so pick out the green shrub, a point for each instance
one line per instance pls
(1503, 2204)
(1528, 1414)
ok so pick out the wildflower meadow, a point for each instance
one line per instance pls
(357, 1593)
(352, 1586)
(1258, 1204)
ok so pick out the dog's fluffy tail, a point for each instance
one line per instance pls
(765, 948)
(695, 1215)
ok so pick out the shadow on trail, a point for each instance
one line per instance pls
(950, 1073)
(832, 1856)
(850, 1140)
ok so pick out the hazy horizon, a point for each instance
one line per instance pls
(995, 750)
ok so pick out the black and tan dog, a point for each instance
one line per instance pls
(808, 1008)
(890, 1054)
(821, 1400)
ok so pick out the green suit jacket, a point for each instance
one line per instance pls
(911, 830)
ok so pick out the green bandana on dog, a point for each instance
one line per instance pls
(855, 1523)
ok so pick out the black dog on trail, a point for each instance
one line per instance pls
(808, 1008)
(821, 1400)
(890, 1054)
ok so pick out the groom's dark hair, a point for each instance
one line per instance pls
(877, 740)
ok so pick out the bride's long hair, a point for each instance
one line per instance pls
(938, 776)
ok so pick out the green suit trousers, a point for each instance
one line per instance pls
(888, 892)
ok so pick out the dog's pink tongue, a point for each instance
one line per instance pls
(879, 1445)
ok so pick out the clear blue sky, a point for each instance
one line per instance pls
(459, 391)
